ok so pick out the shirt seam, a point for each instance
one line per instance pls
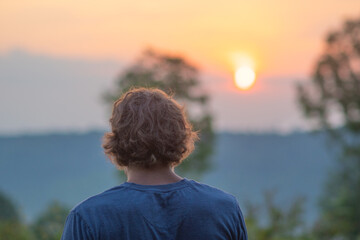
(167, 227)
(86, 224)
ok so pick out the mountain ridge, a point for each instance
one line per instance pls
(69, 167)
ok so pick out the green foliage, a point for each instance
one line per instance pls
(8, 211)
(335, 90)
(274, 222)
(11, 230)
(50, 224)
(175, 76)
(340, 202)
(11, 227)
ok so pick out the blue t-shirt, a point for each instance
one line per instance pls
(185, 210)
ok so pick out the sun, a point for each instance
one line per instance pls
(244, 77)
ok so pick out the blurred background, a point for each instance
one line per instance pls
(273, 86)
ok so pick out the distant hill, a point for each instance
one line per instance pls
(36, 169)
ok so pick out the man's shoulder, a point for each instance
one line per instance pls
(213, 193)
(100, 200)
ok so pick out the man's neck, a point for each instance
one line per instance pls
(152, 176)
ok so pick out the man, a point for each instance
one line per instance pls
(149, 136)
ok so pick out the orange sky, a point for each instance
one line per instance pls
(282, 36)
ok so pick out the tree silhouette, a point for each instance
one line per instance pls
(335, 92)
(175, 76)
(335, 86)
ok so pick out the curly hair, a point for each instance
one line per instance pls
(148, 128)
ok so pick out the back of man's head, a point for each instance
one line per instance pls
(148, 128)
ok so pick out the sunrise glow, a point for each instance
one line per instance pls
(244, 77)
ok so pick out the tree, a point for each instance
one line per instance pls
(340, 202)
(11, 227)
(335, 92)
(273, 222)
(49, 225)
(8, 211)
(175, 76)
(335, 87)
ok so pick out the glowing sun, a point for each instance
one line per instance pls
(244, 77)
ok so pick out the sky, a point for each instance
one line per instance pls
(58, 57)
